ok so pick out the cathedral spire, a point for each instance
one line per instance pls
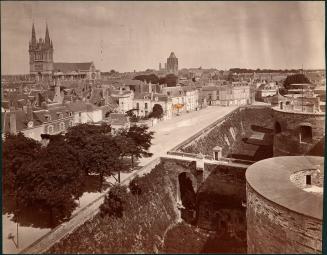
(47, 37)
(33, 41)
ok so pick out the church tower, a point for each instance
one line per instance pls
(41, 55)
(172, 64)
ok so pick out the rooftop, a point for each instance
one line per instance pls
(271, 179)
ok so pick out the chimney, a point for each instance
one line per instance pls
(29, 111)
(12, 120)
(105, 96)
(150, 87)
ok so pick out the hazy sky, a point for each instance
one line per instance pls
(139, 35)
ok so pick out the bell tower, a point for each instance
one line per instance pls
(41, 55)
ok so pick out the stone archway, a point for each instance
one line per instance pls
(187, 189)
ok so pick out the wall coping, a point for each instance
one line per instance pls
(277, 109)
(270, 178)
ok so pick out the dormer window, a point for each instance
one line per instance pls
(47, 117)
(30, 124)
(60, 115)
(70, 114)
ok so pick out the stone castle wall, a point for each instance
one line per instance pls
(275, 229)
(228, 133)
(287, 142)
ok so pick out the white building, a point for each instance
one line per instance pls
(144, 103)
(85, 113)
(238, 93)
(124, 98)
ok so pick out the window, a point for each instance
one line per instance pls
(305, 134)
(137, 106)
(168, 93)
(47, 117)
(50, 129)
(80, 114)
(70, 114)
(62, 126)
(146, 105)
(308, 179)
(71, 123)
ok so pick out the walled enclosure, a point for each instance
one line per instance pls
(228, 134)
(282, 216)
(288, 140)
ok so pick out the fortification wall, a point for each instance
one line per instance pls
(229, 132)
(274, 229)
(287, 141)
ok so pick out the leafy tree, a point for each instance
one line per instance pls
(115, 202)
(295, 79)
(148, 78)
(171, 80)
(139, 141)
(51, 181)
(135, 186)
(132, 116)
(157, 112)
(103, 156)
(17, 152)
(80, 136)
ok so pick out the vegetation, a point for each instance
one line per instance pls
(115, 202)
(145, 217)
(169, 79)
(140, 143)
(157, 112)
(245, 70)
(51, 178)
(295, 79)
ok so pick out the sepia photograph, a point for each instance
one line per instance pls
(163, 127)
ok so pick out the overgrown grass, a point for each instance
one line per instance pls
(146, 216)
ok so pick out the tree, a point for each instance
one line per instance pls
(157, 112)
(148, 78)
(79, 137)
(17, 152)
(132, 116)
(115, 202)
(103, 156)
(295, 79)
(171, 80)
(141, 138)
(51, 181)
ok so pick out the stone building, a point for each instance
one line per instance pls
(172, 64)
(285, 205)
(42, 65)
(299, 127)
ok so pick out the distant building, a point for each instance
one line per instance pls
(118, 121)
(172, 64)
(237, 93)
(43, 67)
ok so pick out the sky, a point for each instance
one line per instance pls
(128, 36)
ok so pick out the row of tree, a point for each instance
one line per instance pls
(52, 176)
(170, 79)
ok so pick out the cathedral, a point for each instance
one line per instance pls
(43, 67)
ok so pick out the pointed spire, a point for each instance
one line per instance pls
(47, 37)
(33, 41)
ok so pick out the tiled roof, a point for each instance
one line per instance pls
(81, 107)
(70, 67)
(118, 119)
